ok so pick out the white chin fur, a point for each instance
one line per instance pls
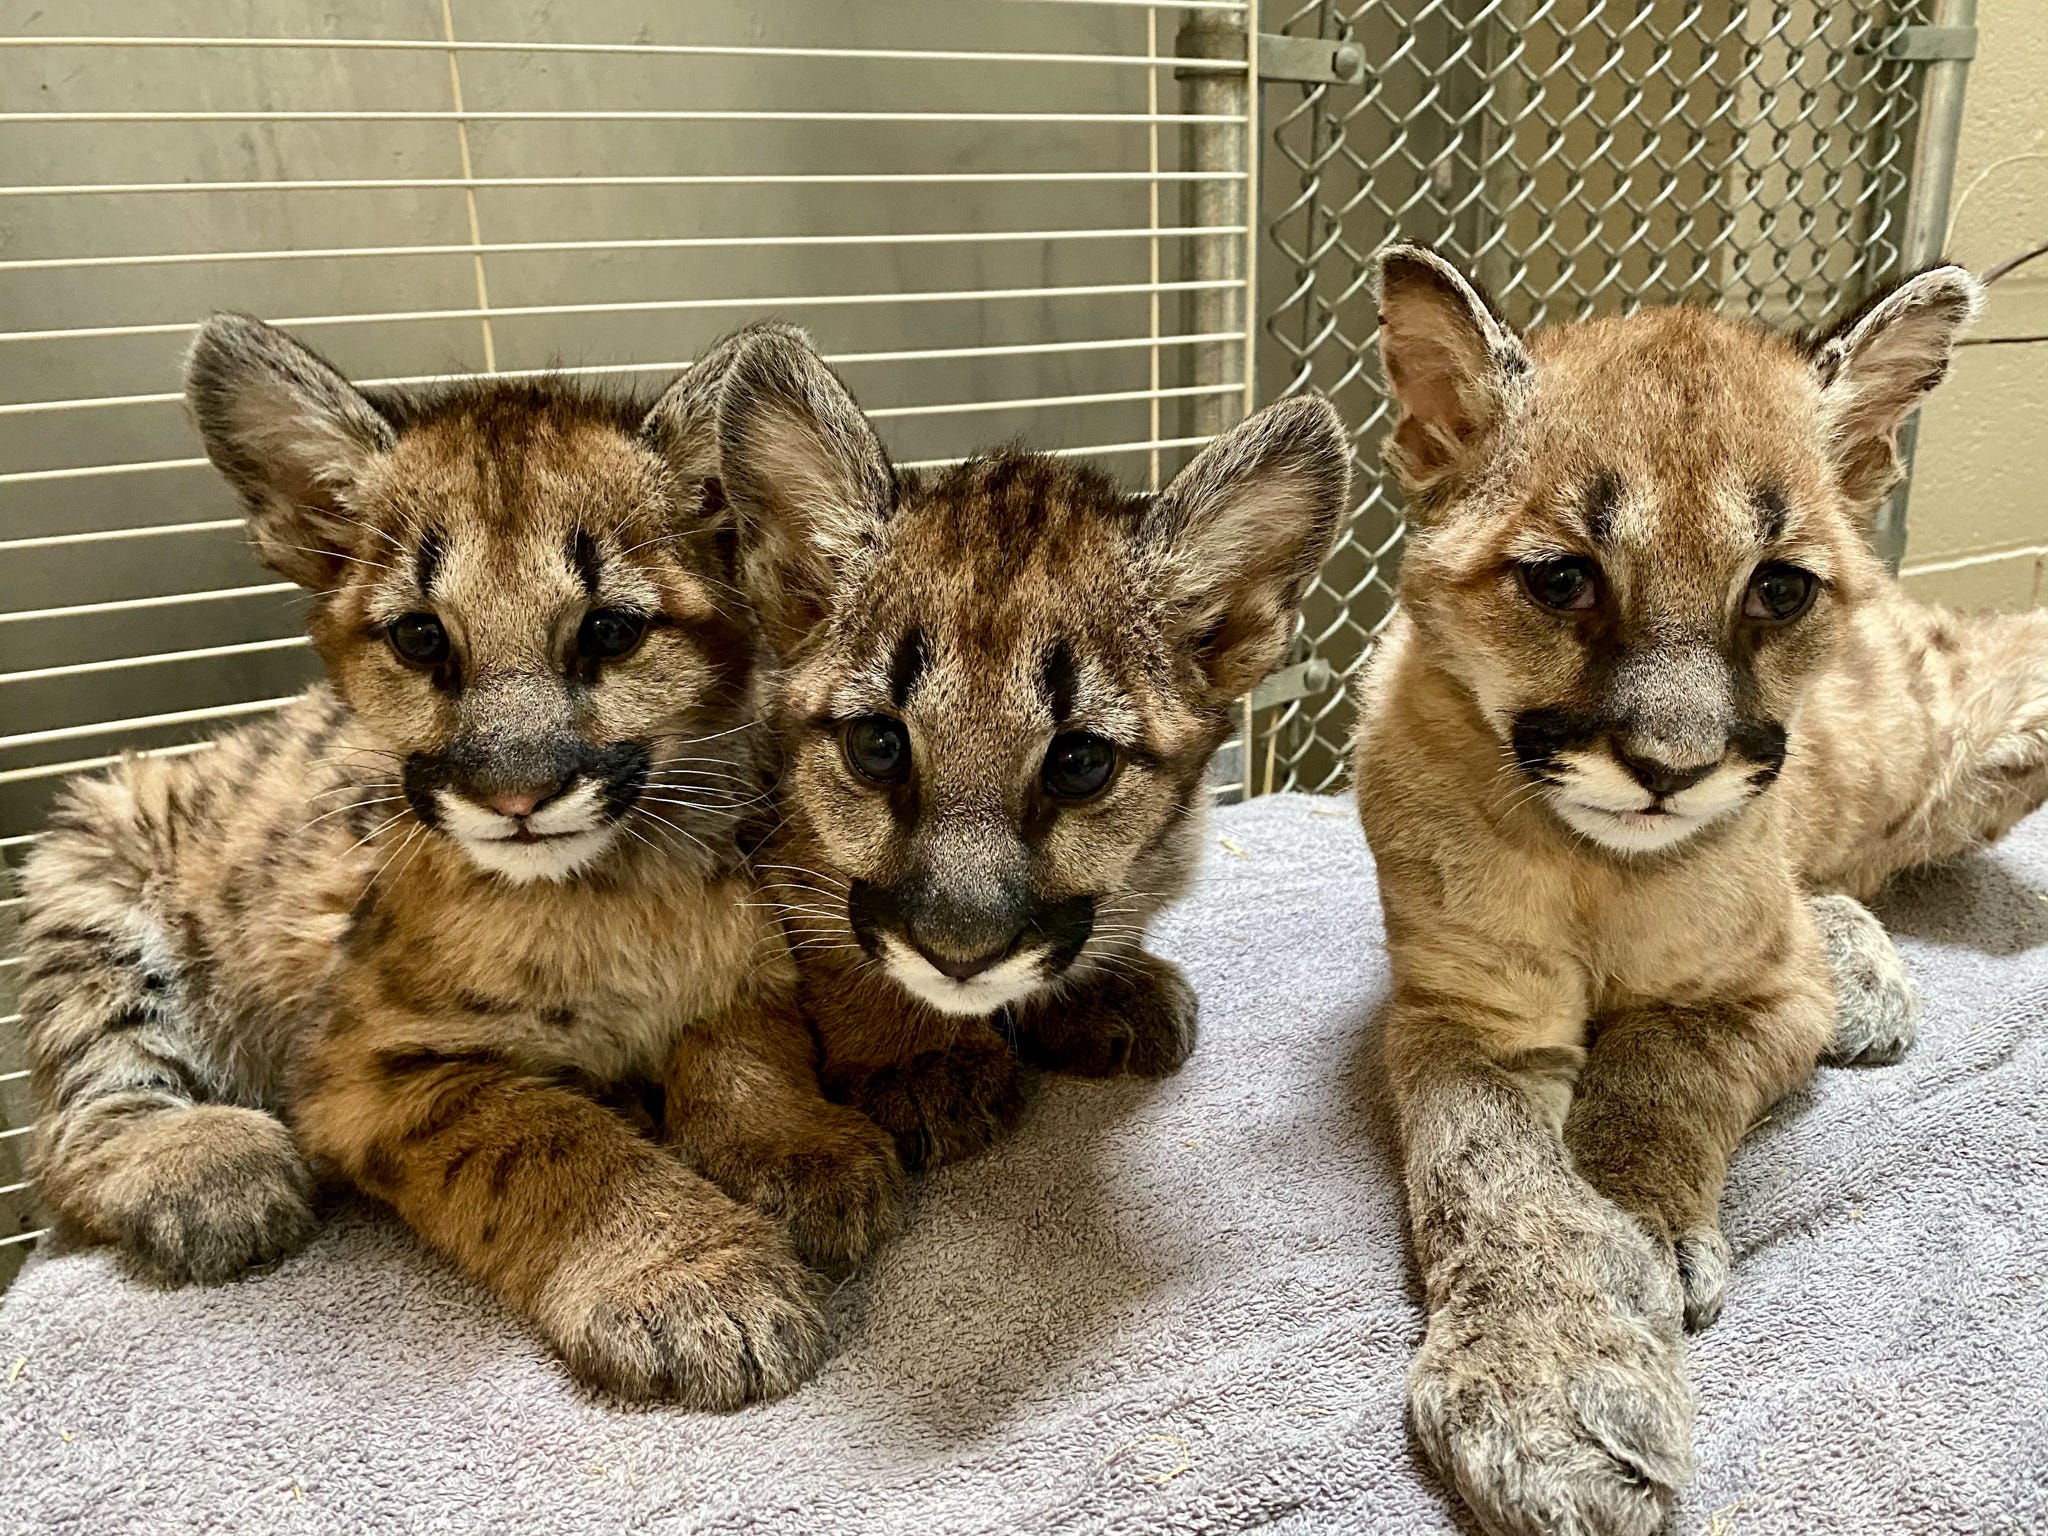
(997, 987)
(1601, 800)
(570, 832)
(559, 858)
(1626, 831)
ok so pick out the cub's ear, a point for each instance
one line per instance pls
(682, 426)
(1452, 365)
(1874, 370)
(809, 484)
(1242, 531)
(291, 435)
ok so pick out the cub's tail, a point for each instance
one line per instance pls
(140, 1140)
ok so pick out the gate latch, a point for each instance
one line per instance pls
(1926, 44)
(1310, 60)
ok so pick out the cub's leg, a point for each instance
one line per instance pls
(1669, 1089)
(1550, 1388)
(1134, 1013)
(940, 1105)
(647, 1279)
(143, 1135)
(744, 1099)
(1877, 1007)
(943, 1087)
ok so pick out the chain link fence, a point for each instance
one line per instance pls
(1578, 157)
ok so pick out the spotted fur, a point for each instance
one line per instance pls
(428, 923)
(1648, 690)
(1013, 621)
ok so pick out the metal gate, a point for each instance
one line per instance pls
(1577, 156)
(1101, 226)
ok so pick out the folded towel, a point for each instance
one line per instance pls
(1180, 1306)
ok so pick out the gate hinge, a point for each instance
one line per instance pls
(1926, 44)
(1295, 682)
(1310, 60)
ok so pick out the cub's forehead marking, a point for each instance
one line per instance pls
(1772, 512)
(907, 665)
(1601, 501)
(584, 560)
(1058, 680)
(426, 564)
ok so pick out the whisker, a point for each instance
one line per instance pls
(367, 836)
(343, 810)
(744, 725)
(403, 844)
(799, 869)
(706, 847)
(335, 554)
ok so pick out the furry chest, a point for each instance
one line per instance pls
(600, 986)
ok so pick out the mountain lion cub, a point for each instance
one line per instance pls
(422, 921)
(1648, 688)
(1001, 687)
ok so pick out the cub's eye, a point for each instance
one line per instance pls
(419, 639)
(607, 633)
(1568, 583)
(1778, 592)
(878, 748)
(1077, 766)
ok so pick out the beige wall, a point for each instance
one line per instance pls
(1977, 525)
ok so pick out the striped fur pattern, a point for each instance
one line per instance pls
(1648, 694)
(1000, 692)
(467, 922)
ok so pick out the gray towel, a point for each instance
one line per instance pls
(1176, 1306)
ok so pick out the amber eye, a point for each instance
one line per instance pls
(419, 638)
(1077, 766)
(1778, 593)
(878, 749)
(608, 633)
(1568, 583)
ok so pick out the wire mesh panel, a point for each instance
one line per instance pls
(980, 210)
(1576, 156)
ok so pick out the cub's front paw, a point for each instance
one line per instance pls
(707, 1325)
(945, 1105)
(1703, 1260)
(1877, 1007)
(1138, 1019)
(205, 1194)
(1550, 1389)
(835, 1184)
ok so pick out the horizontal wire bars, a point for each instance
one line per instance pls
(990, 238)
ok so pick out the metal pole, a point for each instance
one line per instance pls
(1218, 258)
(1926, 227)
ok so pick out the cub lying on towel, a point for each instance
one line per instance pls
(434, 910)
(1001, 688)
(1648, 687)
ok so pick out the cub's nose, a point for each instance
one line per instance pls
(523, 802)
(1662, 778)
(968, 967)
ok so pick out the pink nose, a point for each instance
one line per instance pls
(520, 802)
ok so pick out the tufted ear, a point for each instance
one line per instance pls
(809, 484)
(682, 426)
(1242, 530)
(291, 435)
(1452, 365)
(1875, 369)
